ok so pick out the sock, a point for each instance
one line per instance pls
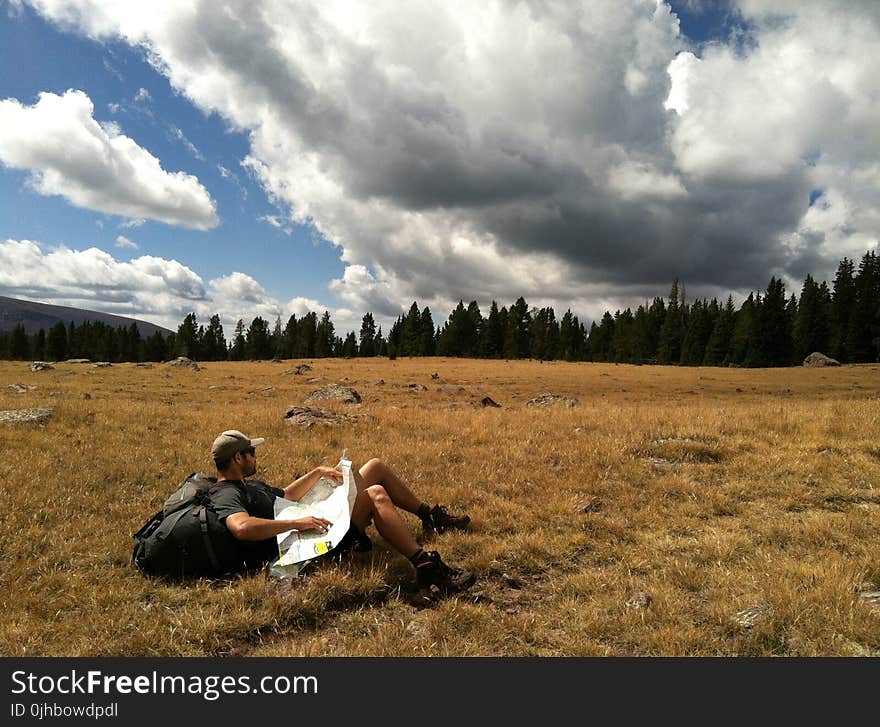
(417, 556)
(424, 510)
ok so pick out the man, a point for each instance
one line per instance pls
(247, 508)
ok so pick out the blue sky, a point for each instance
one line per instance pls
(36, 56)
(288, 156)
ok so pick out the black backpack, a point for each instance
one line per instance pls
(186, 539)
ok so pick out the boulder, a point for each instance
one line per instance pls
(334, 392)
(551, 400)
(310, 416)
(445, 389)
(41, 366)
(184, 361)
(38, 415)
(817, 359)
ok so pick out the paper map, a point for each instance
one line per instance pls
(326, 499)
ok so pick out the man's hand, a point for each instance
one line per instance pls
(331, 473)
(311, 523)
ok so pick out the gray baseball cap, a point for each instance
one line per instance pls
(231, 441)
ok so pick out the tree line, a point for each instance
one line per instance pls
(770, 328)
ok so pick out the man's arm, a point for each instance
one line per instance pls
(299, 487)
(249, 528)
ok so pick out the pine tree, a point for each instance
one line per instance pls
(238, 351)
(288, 339)
(155, 347)
(863, 332)
(186, 341)
(673, 329)
(718, 345)
(325, 337)
(516, 334)
(427, 342)
(56, 342)
(775, 327)
(693, 347)
(19, 345)
(349, 346)
(308, 334)
(368, 336)
(492, 340)
(843, 298)
(811, 325)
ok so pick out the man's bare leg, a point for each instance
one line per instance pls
(374, 503)
(376, 472)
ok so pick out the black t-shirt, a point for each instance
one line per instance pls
(256, 498)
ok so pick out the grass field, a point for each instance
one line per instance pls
(672, 511)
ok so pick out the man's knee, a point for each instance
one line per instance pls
(373, 463)
(378, 495)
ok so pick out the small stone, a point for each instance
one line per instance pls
(488, 401)
(41, 366)
(87, 395)
(872, 599)
(19, 388)
(552, 399)
(752, 616)
(435, 376)
(591, 504)
(639, 599)
(101, 365)
(379, 382)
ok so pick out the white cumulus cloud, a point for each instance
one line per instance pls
(95, 166)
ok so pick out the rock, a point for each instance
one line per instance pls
(297, 370)
(20, 388)
(417, 387)
(87, 395)
(309, 416)
(144, 365)
(334, 392)
(379, 382)
(591, 504)
(184, 361)
(639, 599)
(817, 359)
(872, 599)
(552, 399)
(488, 401)
(77, 361)
(752, 616)
(450, 389)
(264, 390)
(41, 366)
(38, 415)
(435, 376)
(315, 380)
(102, 365)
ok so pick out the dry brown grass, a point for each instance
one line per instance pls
(713, 490)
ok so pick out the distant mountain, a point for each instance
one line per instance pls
(34, 316)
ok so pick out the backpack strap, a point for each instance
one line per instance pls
(206, 538)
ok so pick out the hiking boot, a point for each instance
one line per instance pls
(438, 520)
(432, 571)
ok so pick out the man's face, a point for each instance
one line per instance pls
(248, 462)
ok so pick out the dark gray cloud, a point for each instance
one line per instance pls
(560, 151)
